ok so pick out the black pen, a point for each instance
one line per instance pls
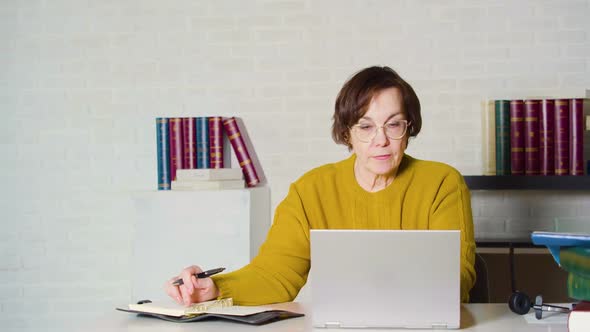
(204, 274)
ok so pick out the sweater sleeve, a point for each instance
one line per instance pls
(281, 267)
(452, 210)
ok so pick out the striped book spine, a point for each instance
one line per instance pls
(546, 136)
(176, 155)
(239, 146)
(202, 142)
(188, 143)
(517, 137)
(162, 153)
(502, 117)
(576, 136)
(562, 137)
(531, 137)
(216, 142)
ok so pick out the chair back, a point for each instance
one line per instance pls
(480, 291)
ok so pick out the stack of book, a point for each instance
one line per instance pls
(541, 136)
(208, 178)
(191, 143)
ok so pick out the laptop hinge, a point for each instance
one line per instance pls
(441, 326)
(332, 325)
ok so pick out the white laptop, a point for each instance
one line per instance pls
(385, 279)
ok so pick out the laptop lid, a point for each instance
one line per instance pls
(385, 278)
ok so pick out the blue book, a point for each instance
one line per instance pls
(202, 142)
(163, 154)
(554, 241)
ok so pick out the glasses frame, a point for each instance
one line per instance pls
(408, 124)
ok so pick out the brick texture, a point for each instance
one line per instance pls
(81, 83)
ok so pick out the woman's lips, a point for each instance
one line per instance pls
(382, 157)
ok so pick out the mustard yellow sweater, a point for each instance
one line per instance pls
(424, 195)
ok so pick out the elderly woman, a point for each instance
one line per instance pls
(377, 187)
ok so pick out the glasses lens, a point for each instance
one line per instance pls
(365, 132)
(395, 129)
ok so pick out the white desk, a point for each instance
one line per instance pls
(474, 317)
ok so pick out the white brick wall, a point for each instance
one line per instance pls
(81, 82)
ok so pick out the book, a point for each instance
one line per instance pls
(562, 137)
(210, 174)
(176, 154)
(202, 142)
(517, 157)
(576, 153)
(163, 153)
(241, 150)
(578, 319)
(531, 137)
(216, 142)
(207, 185)
(546, 137)
(502, 117)
(189, 150)
(216, 309)
(488, 138)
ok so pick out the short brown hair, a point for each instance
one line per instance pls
(356, 94)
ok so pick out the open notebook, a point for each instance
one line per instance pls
(217, 309)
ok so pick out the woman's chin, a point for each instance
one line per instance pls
(382, 170)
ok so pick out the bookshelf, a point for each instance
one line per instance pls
(514, 182)
(210, 228)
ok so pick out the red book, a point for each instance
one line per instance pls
(241, 150)
(517, 133)
(562, 136)
(546, 135)
(176, 155)
(576, 137)
(189, 148)
(215, 142)
(531, 137)
(578, 319)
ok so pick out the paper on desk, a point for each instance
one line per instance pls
(223, 306)
(237, 310)
(176, 310)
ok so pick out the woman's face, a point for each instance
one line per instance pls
(381, 155)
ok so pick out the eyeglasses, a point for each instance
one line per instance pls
(366, 131)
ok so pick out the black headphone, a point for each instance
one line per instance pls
(521, 304)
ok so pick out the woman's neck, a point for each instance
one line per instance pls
(373, 182)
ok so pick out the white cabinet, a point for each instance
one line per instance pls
(175, 229)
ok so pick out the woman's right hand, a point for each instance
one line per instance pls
(193, 290)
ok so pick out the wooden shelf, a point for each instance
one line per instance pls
(516, 182)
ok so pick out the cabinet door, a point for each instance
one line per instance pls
(175, 229)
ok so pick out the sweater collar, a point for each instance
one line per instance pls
(349, 179)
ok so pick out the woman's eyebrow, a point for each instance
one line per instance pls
(388, 118)
(394, 115)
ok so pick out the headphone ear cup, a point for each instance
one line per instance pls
(519, 303)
